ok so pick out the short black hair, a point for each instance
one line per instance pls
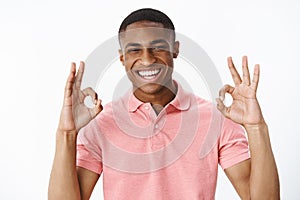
(147, 14)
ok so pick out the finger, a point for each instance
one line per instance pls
(246, 74)
(235, 75)
(222, 108)
(79, 76)
(97, 109)
(70, 81)
(255, 79)
(90, 92)
(225, 89)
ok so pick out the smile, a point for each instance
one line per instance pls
(148, 74)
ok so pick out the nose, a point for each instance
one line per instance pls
(147, 57)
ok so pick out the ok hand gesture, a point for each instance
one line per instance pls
(244, 109)
(75, 114)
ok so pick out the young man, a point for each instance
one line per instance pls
(147, 144)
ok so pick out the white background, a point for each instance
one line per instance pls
(39, 39)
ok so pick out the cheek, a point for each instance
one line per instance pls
(130, 59)
(128, 63)
(167, 59)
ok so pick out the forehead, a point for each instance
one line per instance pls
(144, 24)
(143, 32)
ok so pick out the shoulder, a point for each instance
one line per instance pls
(203, 105)
(209, 114)
(111, 111)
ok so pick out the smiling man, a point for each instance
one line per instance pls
(147, 53)
(147, 143)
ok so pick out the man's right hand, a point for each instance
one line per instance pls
(75, 114)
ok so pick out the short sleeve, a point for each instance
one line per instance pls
(88, 148)
(233, 144)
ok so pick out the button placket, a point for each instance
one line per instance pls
(155, 131)
(158, 125)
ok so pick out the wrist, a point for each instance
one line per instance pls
(66, 134)
(256, 127)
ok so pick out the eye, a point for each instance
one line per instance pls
(133, 50)
(160, 48)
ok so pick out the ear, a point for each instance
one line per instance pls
(121, 56)
(176, 49)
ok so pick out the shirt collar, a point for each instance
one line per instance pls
(180, 102)
(133, 102)
(182, 99)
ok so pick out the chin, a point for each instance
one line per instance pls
(150, 88)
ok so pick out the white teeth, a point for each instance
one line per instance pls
(148, 73)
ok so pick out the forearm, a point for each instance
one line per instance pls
(63, 180)
(264, 181)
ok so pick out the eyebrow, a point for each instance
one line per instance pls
(131, 44)
(158, 41)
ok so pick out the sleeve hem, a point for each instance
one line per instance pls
(89, 166)
(231, 162)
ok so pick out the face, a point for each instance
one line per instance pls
(147, 54)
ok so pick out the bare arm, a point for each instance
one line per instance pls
(65, 182)
(256, 178)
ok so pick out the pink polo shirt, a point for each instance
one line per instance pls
(173, 155)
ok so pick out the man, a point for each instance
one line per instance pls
(142, 142)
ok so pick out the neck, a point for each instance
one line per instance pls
(158, 99)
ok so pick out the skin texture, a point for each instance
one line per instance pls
(256, 178)
(67, 182)
(145, 50)
(147, 46)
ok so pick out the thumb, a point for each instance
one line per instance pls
(97, 109)
(222, 108)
